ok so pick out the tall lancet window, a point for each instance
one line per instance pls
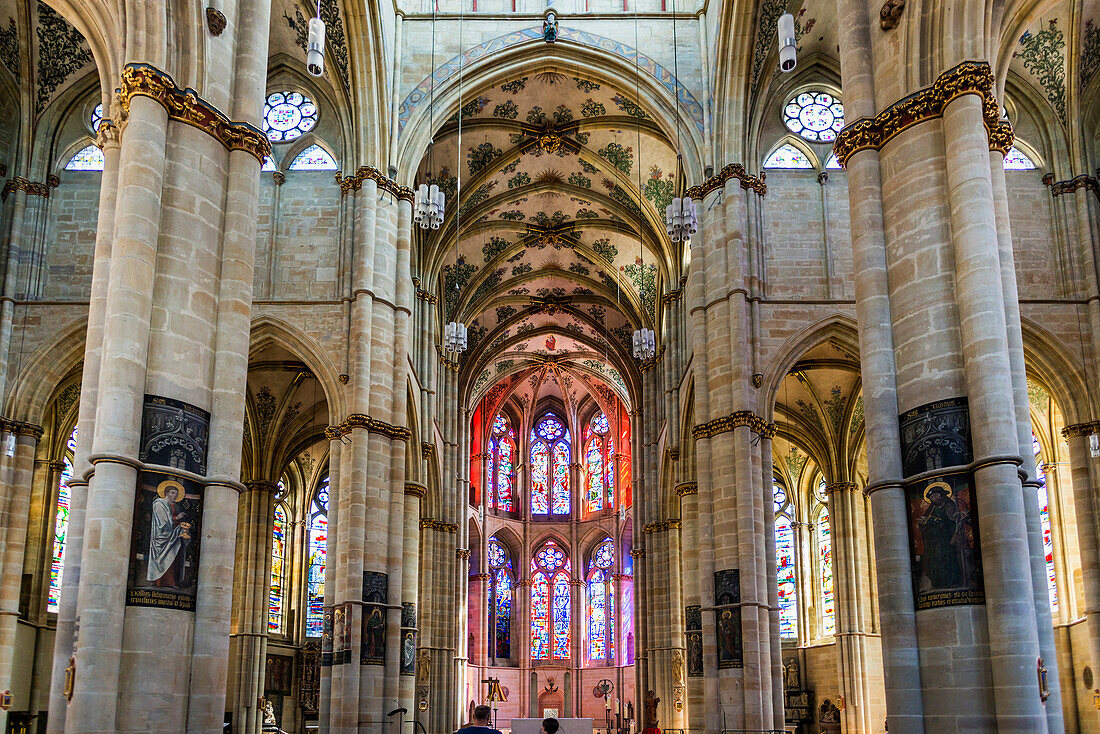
(550, 603)
(61, 527)
(601, 603)
(315, 568)
(278, 569)
(550, 467)
(825, 567)
(502, 465)
(500, 600)
(599, 465)
(785, 563)
(1044, 522)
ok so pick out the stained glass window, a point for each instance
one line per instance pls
(501, 468)
(816, 116)
(315, 570)
(833, 162)
(788, 156)
(785, 563)
(550, 604)
(278, 557)
(96, 116)
(1015, 160)
(269, 164)
(313, 158)
(825, 559)
(601, 603)
(550, 456)
(287, 115)
(500, 601)
(86, 159)
(1044, 522)
(599, 465)
(61, 527)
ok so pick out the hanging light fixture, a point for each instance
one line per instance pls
(645, 344)
(315, 48)
(454, 337)
(681, 221)
(429, 205)
(788, 49)
(1094, 445)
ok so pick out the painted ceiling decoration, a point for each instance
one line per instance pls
(1042, 52)
(1090, 53)
(764, 43)
(334, 36)
(9, 48)
(62, 52)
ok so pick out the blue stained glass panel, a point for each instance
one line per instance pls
(1044, 522)
(561, 616)
(597, 616)
(278, 554)
(504, 476)
(318, 549)
(86, 159)
(560, 496)
(788, 601)
(540, 617)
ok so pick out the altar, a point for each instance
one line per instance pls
(568, 726)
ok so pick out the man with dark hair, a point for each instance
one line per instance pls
(550, 726)
(481, 725)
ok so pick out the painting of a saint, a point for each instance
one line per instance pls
(408, 653)
(374, 636)
(730, 654)
(943, 532)
(169, 534)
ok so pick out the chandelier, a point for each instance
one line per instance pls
(645, 344)
(454, 337)
(680, 219)
(429, 207)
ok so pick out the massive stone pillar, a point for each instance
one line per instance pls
(155, 568)
(252, 578)
(367, 567)
(734, 519)
(955, 561)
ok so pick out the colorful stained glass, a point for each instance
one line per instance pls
(560, 493)
(550, 604)
(1044, 522)
(268, 164)
(825, 558)
(550, 428)
(599, 465)
(287, 115)
(540, 474)
(779, 496)
(605, 555)
(490, 475)
(1015, 160)
(86, 159)
(61, 527)
(500, 601)
(788, 592)
(505, 474)
(597, 616)
(500, 425)
(600, 425)
(816, 116)
(96, 116)
(318, 548)
(833, 163)
(313, 158)
(788, 156)
(594, 473)
(278, 554)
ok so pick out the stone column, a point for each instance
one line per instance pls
(252, 577)
(859, 658)
(1083, 470)
(410, 582)
(107, 139)
(18, 442)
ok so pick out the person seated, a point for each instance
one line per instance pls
(550, 726)
(481, 723)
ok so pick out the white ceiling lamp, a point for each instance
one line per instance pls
(315, 48)
(645, 344)
(681, 220)
(454, 337)
(1094, 445)
(429, 204)
(788, 50)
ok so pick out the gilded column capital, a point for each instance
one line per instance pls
(717, 181)
(278, 177)
(372, 425)
(415, 489)
(261, 485)
(683, 489)
(106, 135)
(841, 487)
(185, 105)
(370, 173)
(1081, 429)
(1084, 181)
(31, 188)
(968, 77)
(443, 527)
(734, 420)
(462, 553)
(662, 526)
(57, 465)
(21, 428)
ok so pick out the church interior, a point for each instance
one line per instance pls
(697, 366)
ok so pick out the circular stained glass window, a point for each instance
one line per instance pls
(605, 554)
(779, 497)
(816, 116)
(287, 115)
(550, 428)
(500, 425)
(97, 116)
(496, 554)
(551, 558)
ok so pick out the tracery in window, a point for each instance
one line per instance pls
(278, 557)
(287, 115)
(599, 465)
(601, 603)
(502, 469)
(96, 117)
(1044, 522)
(315, 568)
(785, 563)
(788, 156)
(825, 568)
(550, 603)
(61, 527)
(816, 116)
(500, 600)
(1016, 160)
(550, 467)
(313, 158)
(86, 159)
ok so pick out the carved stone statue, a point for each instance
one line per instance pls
(423, 668)
(791, 678)
(828, 713)
(890, 14)
(649, 720)
(677, 668)
(269, 725)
